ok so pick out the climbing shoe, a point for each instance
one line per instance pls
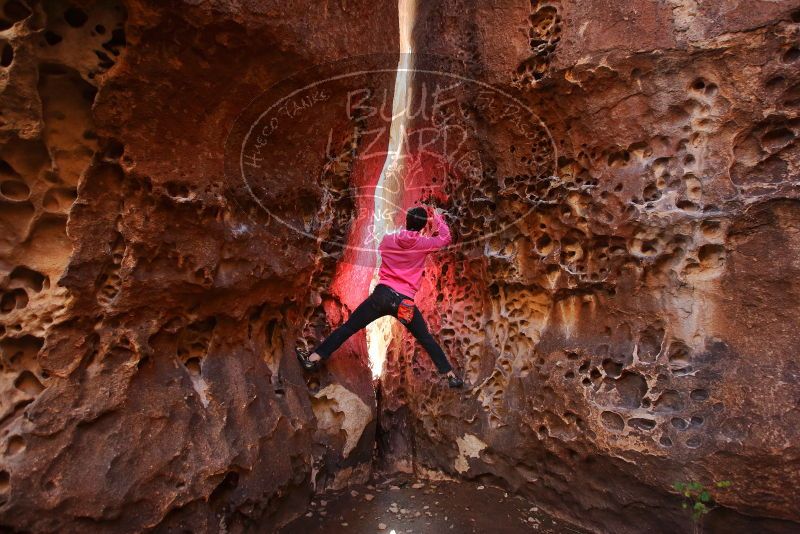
(455, 382)
(305, 363)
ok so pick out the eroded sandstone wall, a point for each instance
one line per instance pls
(629, 320)
(149, 307)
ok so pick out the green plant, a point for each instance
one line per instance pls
(698, 498)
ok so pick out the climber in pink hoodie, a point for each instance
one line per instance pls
(403, 257)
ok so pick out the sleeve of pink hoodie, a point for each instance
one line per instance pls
(439, 241)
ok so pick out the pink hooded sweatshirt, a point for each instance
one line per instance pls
(403, 256)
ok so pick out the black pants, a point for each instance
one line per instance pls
(384, 301)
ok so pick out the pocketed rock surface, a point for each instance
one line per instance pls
(148, 310)
(622, 294)
(621, 298)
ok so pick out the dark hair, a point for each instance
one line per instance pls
(416, 219)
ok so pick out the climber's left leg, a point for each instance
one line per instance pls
(419, 330)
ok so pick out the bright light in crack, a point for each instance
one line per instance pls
(388, 199)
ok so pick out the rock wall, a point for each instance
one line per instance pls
(149, 308)
(621, 296)
(622, 291)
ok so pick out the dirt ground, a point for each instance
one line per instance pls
(403, 505)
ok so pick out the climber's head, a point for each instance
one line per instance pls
(416, 219)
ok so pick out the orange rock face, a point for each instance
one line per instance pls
(621, 300)
(150, 307)
(186, 190)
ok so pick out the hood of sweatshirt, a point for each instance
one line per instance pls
(406, 238)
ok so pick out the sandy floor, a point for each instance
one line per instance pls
(402, 505)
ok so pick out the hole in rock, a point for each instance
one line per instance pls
(52, 38)
(651, 193)
(776, 139)
(28, 383)
(117, 40)
(669, 401)
(105, 61)
(711, 229)
(16, 10)
(612, 368)
(650, 343)
(711, 256)
(693, 442)
(5, 481)
(791, 55)
(571, 250)
(542, 244)
(15, 445)
(665, 441)
(612, 421)
(679, 423)
(631, 388)
(6, 169)
(15, 190)
(193, 366)
(649, 248)
(59, 200)
(21, 351)
(619, 159)
(775, 83)
(75, 17)
(699, 394)
(641, 423)
(177, 190)
(28, 277)
(14, 299)
(7, 302)
(679, 355)
(7, 55)
(114, 150)
(51, 177)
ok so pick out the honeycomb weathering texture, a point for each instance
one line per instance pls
(621, 297)
(148, 308)
(635, 328)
